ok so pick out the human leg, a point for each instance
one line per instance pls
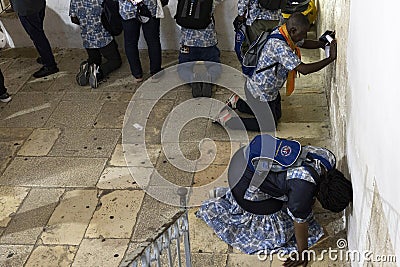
(33, 25)
(131, 39)
(151, 31)
(111, 54)
(4, 96)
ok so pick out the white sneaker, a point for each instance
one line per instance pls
(94, 69)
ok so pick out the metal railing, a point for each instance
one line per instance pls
(4, 5)
(167, 243)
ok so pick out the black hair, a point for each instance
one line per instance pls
(298, 20)
(335, 191)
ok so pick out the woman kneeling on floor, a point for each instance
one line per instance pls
(273, 186)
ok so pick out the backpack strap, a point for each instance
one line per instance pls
(276, 36)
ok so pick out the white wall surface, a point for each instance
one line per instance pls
(373, 117)
(365, 114)
(62, 33)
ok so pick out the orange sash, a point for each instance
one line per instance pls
(293, 73)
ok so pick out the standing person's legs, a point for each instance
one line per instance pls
(131, 37)
(33, 25)
(4, 96)
(111, 54)
(3, 89)
(151, 31)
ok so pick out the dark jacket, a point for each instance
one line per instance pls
(28, 7)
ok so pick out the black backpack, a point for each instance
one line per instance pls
(110, 17)
(194, 14)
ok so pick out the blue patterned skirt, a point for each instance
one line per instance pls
(253, 233)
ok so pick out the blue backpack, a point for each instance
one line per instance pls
(249, 58)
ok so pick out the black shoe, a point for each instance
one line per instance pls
(39, 61)
(82, 78)
(196, 89)
(207, 89)
(45, 71)
(5, 98)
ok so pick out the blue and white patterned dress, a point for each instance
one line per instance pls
(252, 233)
(94, 35)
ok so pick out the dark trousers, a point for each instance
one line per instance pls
(193, 54)
(33, 25)
(110, 53)
(3, 89)
(263, 122)
(151, 31)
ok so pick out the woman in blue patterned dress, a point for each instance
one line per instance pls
(271, 211)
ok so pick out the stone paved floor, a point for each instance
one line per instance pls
(66, 195)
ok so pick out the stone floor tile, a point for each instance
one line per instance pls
(111, 115)
(244, 260)
(307, 114)
(217, 152)
(7, 153)
(209, 259)
(116, 96)
(100, 252)
(142, 175)
(67, 83)
(40, 84)
(71, 59)
(134, 155)
(304, 100)
(211, 176)
(61, 256)
(303, 130)
(160, 213)
(87, 112)
(14, 134)
(172, 174)
(68, 223)
(117, 214)
(120, 83)
(94, 143)
(86, 95)
(40, 142)
(14, 255)
(117, 178)
(17, 76)
(53, 172)
(28, 222)
(10, 200)
(29, 109)
(202, 237)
